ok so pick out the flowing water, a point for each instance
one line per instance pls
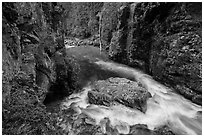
(164, 108)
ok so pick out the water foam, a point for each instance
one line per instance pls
(164, 108)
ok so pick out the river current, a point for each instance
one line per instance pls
(165, 107)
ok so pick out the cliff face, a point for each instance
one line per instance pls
(29, 42)
(176, 55)
(163, 39)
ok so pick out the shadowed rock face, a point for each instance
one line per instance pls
(120, 90)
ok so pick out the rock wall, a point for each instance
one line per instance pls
(30, 39)
(176, 55)
(162, 39)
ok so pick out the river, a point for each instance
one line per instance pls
(165, 107)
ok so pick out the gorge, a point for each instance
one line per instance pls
(102, 68)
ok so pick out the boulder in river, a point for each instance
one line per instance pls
(141, 129)
(120, 90)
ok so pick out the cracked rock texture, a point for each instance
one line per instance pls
(120, 90)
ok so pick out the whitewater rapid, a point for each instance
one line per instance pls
(164, 108)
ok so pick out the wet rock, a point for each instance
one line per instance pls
(186, 92)
(164, 130)
(197, 99)
(123, 128)
(106, 127)
(119, 90)
(74, 124)
(140, 129)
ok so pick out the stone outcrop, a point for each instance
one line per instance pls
(119, 90)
